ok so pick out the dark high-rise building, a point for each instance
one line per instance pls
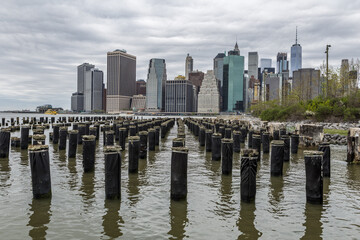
(77, 102)
(253, 64)
(121, 80)
(189, 66)
(196, 78)
(233, 82)
(282, 63)
(141, 87)
(155, 98)
(179, 95)
(306, 82)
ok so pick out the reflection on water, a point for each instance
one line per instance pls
(87, 189)
(24, 157)
(39, 218)
(112, 221)
(313, 225)
(277, 195)
(73, 178)
(246, 221)
(225, 203)
(178, 219)
(5, 171)
(133, 188)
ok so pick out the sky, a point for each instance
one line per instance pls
(43, 41)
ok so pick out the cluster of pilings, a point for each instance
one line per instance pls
(142, 135)
(222, 138)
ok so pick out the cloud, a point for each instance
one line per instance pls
(42, 42)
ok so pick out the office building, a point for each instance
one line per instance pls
(306, 83)
(77, 102)
(296, 56)
(156, 84)
(196, 78)
(121, 80)
(218, 67)
(179, 96)
(138, 103)
(233, 82)
(93, 90)
(189, 66)
(141, 87)
(265, 63)
(209, 97)
(83, 72)
(282, 63)
(253, 64)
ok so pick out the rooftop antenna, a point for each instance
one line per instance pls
(296, 36)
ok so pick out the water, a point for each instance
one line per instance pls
(212, 210)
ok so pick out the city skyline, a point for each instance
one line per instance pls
(54, 38)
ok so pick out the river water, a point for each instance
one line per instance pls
(212, 210)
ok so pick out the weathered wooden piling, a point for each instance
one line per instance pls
(286, 140)
(122, 137)
(151, 137)
(277, 157)
(134, 150)
(179, 160)
(216, 146)
(325, 148)
(56, 132)
(81, 132)
(202, 136)
(89, 144)
(157, 135)
(226, 155)
(265, 142)
(39, 139)
(24, 139)
(73, 134)
(109, 136)
(256, 144)
(40, 171)
(178, 142)
(62, 138)
(314, 179)
(143, 144)
(112, 172)
(294, 140)
(237, 141)
(248, 175)
(251, 132)
(208, 134)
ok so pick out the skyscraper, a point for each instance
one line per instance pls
(93, 90)
(121, 80)
(282, 63)
(189, 65)
(156, 84)
(218, 67)
(233, 81)
(179, 96)
(253, 64)
(83, 71)
(265, 63)
(296, 56)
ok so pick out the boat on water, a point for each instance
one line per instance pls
(51, 112)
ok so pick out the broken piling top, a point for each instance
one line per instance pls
(110, 132)
(143, 133)
(180, 149)
(5, 130)
(112, 149)
(316, 132)
(217, 135)
(133, 138)
(354, 132)
(73, 132)
(277, 142)
(39, 137)
(249, 153)
(88, 138)
(38, 148)
(63, 128)
(227, 140)
(275, 126)
(313, 153)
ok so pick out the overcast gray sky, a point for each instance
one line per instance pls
(42, 41)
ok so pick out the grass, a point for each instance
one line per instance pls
(336, 131)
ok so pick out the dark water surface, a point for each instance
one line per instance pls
(213, 210)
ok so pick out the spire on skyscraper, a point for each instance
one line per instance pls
(296, 36)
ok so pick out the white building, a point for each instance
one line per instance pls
(208, 98)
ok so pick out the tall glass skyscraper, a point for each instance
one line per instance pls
(155, 89)
(233, 81)
(296, 56)
(282, 64)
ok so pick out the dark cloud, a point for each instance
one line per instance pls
(42, 42)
